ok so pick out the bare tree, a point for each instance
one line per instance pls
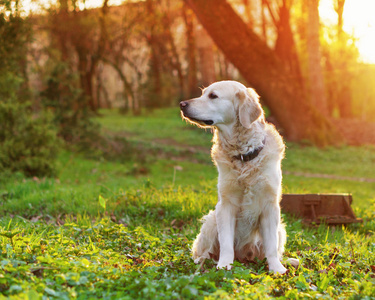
(123, 54)
(164, 57)
(75, 29)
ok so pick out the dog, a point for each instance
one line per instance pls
(247, 152)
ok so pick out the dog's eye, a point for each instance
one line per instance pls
(212, 96)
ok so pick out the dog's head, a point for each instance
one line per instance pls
(223, 103)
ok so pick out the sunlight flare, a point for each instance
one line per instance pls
(359, 21)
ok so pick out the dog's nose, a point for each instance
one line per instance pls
(183, 104)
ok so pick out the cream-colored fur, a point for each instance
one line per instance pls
(246, 222)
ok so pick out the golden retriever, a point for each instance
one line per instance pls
(247, 152)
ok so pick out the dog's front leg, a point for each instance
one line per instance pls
(269, 226)
(226, 222)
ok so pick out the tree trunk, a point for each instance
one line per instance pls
(155, 64)
(339, 8)
(264, 25)
(261, 68)
(223, 67)
(101, 90)
(128, 90)
(316, 79)
(248, 6)
(173, 57)
(86, 72)
(344, 99)
(285, 46)
(206, 57)
(63, 35)
(192, 80)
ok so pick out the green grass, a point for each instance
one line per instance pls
(82, 180)
(145, 255)
(165, 125)
(344, 161)
(161, 124)
(58, 241)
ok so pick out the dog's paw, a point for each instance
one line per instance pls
(197, 260)
(278, 270)
(294, 262)
(275, 266)
(200, 258)
(225, 264)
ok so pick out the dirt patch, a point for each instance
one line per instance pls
(189, 148)
(329, 176)
(356, 132)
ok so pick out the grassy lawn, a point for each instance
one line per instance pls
(123, 229)
(160, 124)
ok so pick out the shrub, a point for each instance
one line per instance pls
(27, 144)
(72, 116)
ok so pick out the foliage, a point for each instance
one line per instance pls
(27, 142)
(363, 91)
(77, 127)
(63, 96)
(15, 33)
(158, 94)
(341, 64)
(347, 80)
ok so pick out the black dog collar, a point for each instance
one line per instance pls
(252, 154)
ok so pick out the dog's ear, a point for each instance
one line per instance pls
(249, 109)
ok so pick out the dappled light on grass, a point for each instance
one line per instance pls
(107, 260)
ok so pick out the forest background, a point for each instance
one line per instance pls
(67, 59)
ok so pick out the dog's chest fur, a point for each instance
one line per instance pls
(246, 178)
(225, 152)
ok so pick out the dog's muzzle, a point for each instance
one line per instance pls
(184, 105)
